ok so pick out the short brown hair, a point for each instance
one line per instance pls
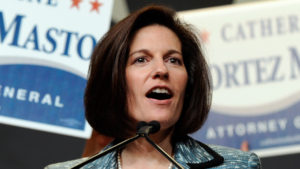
(105, 96)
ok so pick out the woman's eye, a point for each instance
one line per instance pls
(175, 61)
(140, 60)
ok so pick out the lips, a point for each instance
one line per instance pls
(159, 93)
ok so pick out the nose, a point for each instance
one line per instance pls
(160, 70)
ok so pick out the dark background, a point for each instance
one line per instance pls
(178, 5)
(31, 149)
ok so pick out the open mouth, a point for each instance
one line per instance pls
(159, 94)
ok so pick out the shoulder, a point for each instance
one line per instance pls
(105, 161)
(235, 157)
(66, 164)
(199, 154)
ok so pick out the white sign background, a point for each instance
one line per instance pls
(52, 36)
(254, 55)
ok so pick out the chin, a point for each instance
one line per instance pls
(165, 124)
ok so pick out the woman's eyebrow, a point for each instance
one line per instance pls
(140, 51)
(171, 51)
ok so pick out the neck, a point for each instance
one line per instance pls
(140, 152)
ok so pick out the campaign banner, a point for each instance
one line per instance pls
(45, 49)
(253, 51)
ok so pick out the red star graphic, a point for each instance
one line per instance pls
(95, 5)
(75, 3)
(204, 35)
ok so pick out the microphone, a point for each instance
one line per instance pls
(144, 128)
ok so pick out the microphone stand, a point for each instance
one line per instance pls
(162, 152)
(106, 151)
(143, 131)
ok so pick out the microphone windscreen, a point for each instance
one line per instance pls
(140, 125)
(155, 127)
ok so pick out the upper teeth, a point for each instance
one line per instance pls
(160, 91)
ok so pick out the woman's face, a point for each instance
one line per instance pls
(156, 76)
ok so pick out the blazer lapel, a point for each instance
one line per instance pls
(197, 155)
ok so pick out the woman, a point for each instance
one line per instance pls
(150, 67)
